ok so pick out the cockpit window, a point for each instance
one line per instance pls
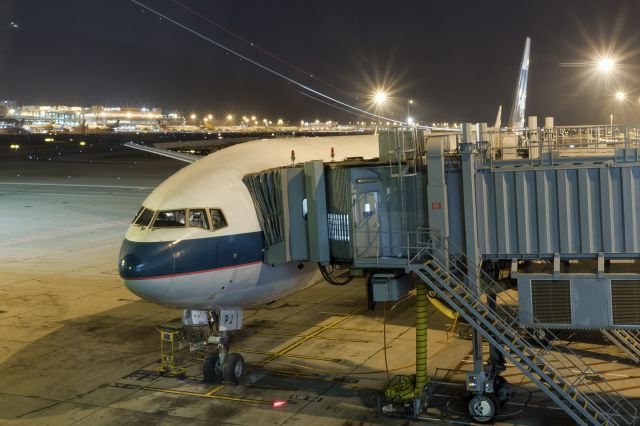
(137, 214)
(144, 217)
(198, 218)
(217, 219)
(170, 219)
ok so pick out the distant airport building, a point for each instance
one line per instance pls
(7, 108)
(72, 116)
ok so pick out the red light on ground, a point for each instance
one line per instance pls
(279, 403)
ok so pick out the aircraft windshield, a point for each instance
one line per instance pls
(170, 219)
(144, 217)
(198, 218)
(209, 219)
(217, 218)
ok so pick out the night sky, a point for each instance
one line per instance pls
(457, 59)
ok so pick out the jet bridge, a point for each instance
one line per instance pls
(554, 215)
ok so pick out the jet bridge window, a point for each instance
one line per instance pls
(170, 219)
(217, 219)
(198, 218)
(144, 216)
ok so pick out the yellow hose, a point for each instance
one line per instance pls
(421, 337)
(448, 312)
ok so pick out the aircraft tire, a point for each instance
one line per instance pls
(211, 369)
(233, 368)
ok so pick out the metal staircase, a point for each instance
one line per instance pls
(627, 341)
(549, 364)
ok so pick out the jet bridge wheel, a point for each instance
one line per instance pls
(233, 368)
(483, 408)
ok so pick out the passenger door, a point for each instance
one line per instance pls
(366, 224)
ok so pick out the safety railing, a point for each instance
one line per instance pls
(544, 146)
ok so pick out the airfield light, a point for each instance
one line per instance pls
(229, 117)
(410, 101)
(206, 119)
(620, 95)
(193, 116)
(82, 143)
(410, 121)
(210, 116)
(280, 122)
(12, 111)
(605, 65)
(253, 117)
(379, 97)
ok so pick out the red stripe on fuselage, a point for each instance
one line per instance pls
(192, 273)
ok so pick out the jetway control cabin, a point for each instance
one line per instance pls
(555, 211)
(469, 218)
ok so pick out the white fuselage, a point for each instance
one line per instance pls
(193, 268)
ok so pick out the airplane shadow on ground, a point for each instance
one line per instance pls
(87, 362)
(83, 361)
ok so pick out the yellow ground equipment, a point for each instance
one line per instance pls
(170, 347)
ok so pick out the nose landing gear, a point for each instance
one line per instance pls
(222, 365)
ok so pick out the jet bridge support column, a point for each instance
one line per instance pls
(468, 159)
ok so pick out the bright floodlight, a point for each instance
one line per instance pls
(620, 95)
(605, 65)
(410, 120)
(229, 117)
(193, 116)
(379, 97)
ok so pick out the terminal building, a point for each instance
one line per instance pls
(73, 116)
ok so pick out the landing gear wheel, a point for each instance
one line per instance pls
(483, 408)
(211, 369)
(233, 368)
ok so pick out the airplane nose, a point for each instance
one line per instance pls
(147, 268)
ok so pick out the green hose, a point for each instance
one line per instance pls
(421, 337)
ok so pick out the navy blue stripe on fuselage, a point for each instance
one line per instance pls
(139, 260)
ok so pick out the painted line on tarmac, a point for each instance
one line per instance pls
(312, 335)
(311, 357)
(617, 375)
(110, 195)
(64, 232)
(206, 395)
(79, 185)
